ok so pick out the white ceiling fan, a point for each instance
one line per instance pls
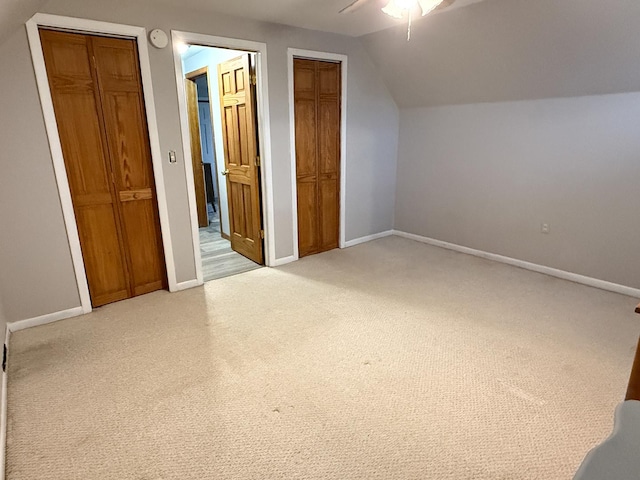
(400, 8)
(397, 8)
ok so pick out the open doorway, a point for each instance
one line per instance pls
(221, 109)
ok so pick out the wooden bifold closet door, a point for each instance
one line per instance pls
(97, 97)
(317, 89)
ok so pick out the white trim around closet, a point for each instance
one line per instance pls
(127, 31)
(334, 57)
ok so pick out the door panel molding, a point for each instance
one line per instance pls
(264, 134)
(139, 34)
(343, 59)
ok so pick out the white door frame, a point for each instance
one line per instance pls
(335, 57)
(117, 30)
(264, 134)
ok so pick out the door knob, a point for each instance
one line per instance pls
(225, 172)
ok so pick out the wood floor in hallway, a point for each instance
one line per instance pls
(218, 260)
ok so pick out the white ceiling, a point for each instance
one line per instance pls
(312, 14)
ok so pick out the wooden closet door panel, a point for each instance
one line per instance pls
(329, 220)
(101, 250)
(141, 237)
(304, 78)
(329, 153)
(317, 126)
(328, 102)
(306, 127)
(305, 118)
(127, 140)
(307, 217)
(329, 78)
(81, 141)
(76, 104)
(306, 176)
(329, 137)
(306, 144)
(127, 136)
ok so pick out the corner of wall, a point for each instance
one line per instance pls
(393, 125)
(377, 68)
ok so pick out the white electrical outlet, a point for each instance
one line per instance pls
(544, 228)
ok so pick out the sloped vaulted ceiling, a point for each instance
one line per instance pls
(502, 50)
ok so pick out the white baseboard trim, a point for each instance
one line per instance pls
(554, 272)
(3, 410)
(368, 238)
(186, 285)
(284, 260)
(44, 319)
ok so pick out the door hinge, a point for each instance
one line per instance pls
(4, 358)
(262, 234)
(254, 79)
(257, 160)
(93, 62)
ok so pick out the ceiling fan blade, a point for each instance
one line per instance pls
(444, 4)
(353, 6)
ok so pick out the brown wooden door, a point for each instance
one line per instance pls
(317, 128)
(196, 151)
(97, 97)
(237, 106)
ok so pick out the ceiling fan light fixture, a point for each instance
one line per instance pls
(406, 4)
(398, 8)
(393, 10)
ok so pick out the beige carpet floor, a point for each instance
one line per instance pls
(389, 360)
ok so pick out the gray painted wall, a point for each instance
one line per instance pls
(487, 175)
(13, 14)
(504, 50)
(36, 275)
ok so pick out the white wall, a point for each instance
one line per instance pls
(212, 57)
(36, 274)
(487, 175)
